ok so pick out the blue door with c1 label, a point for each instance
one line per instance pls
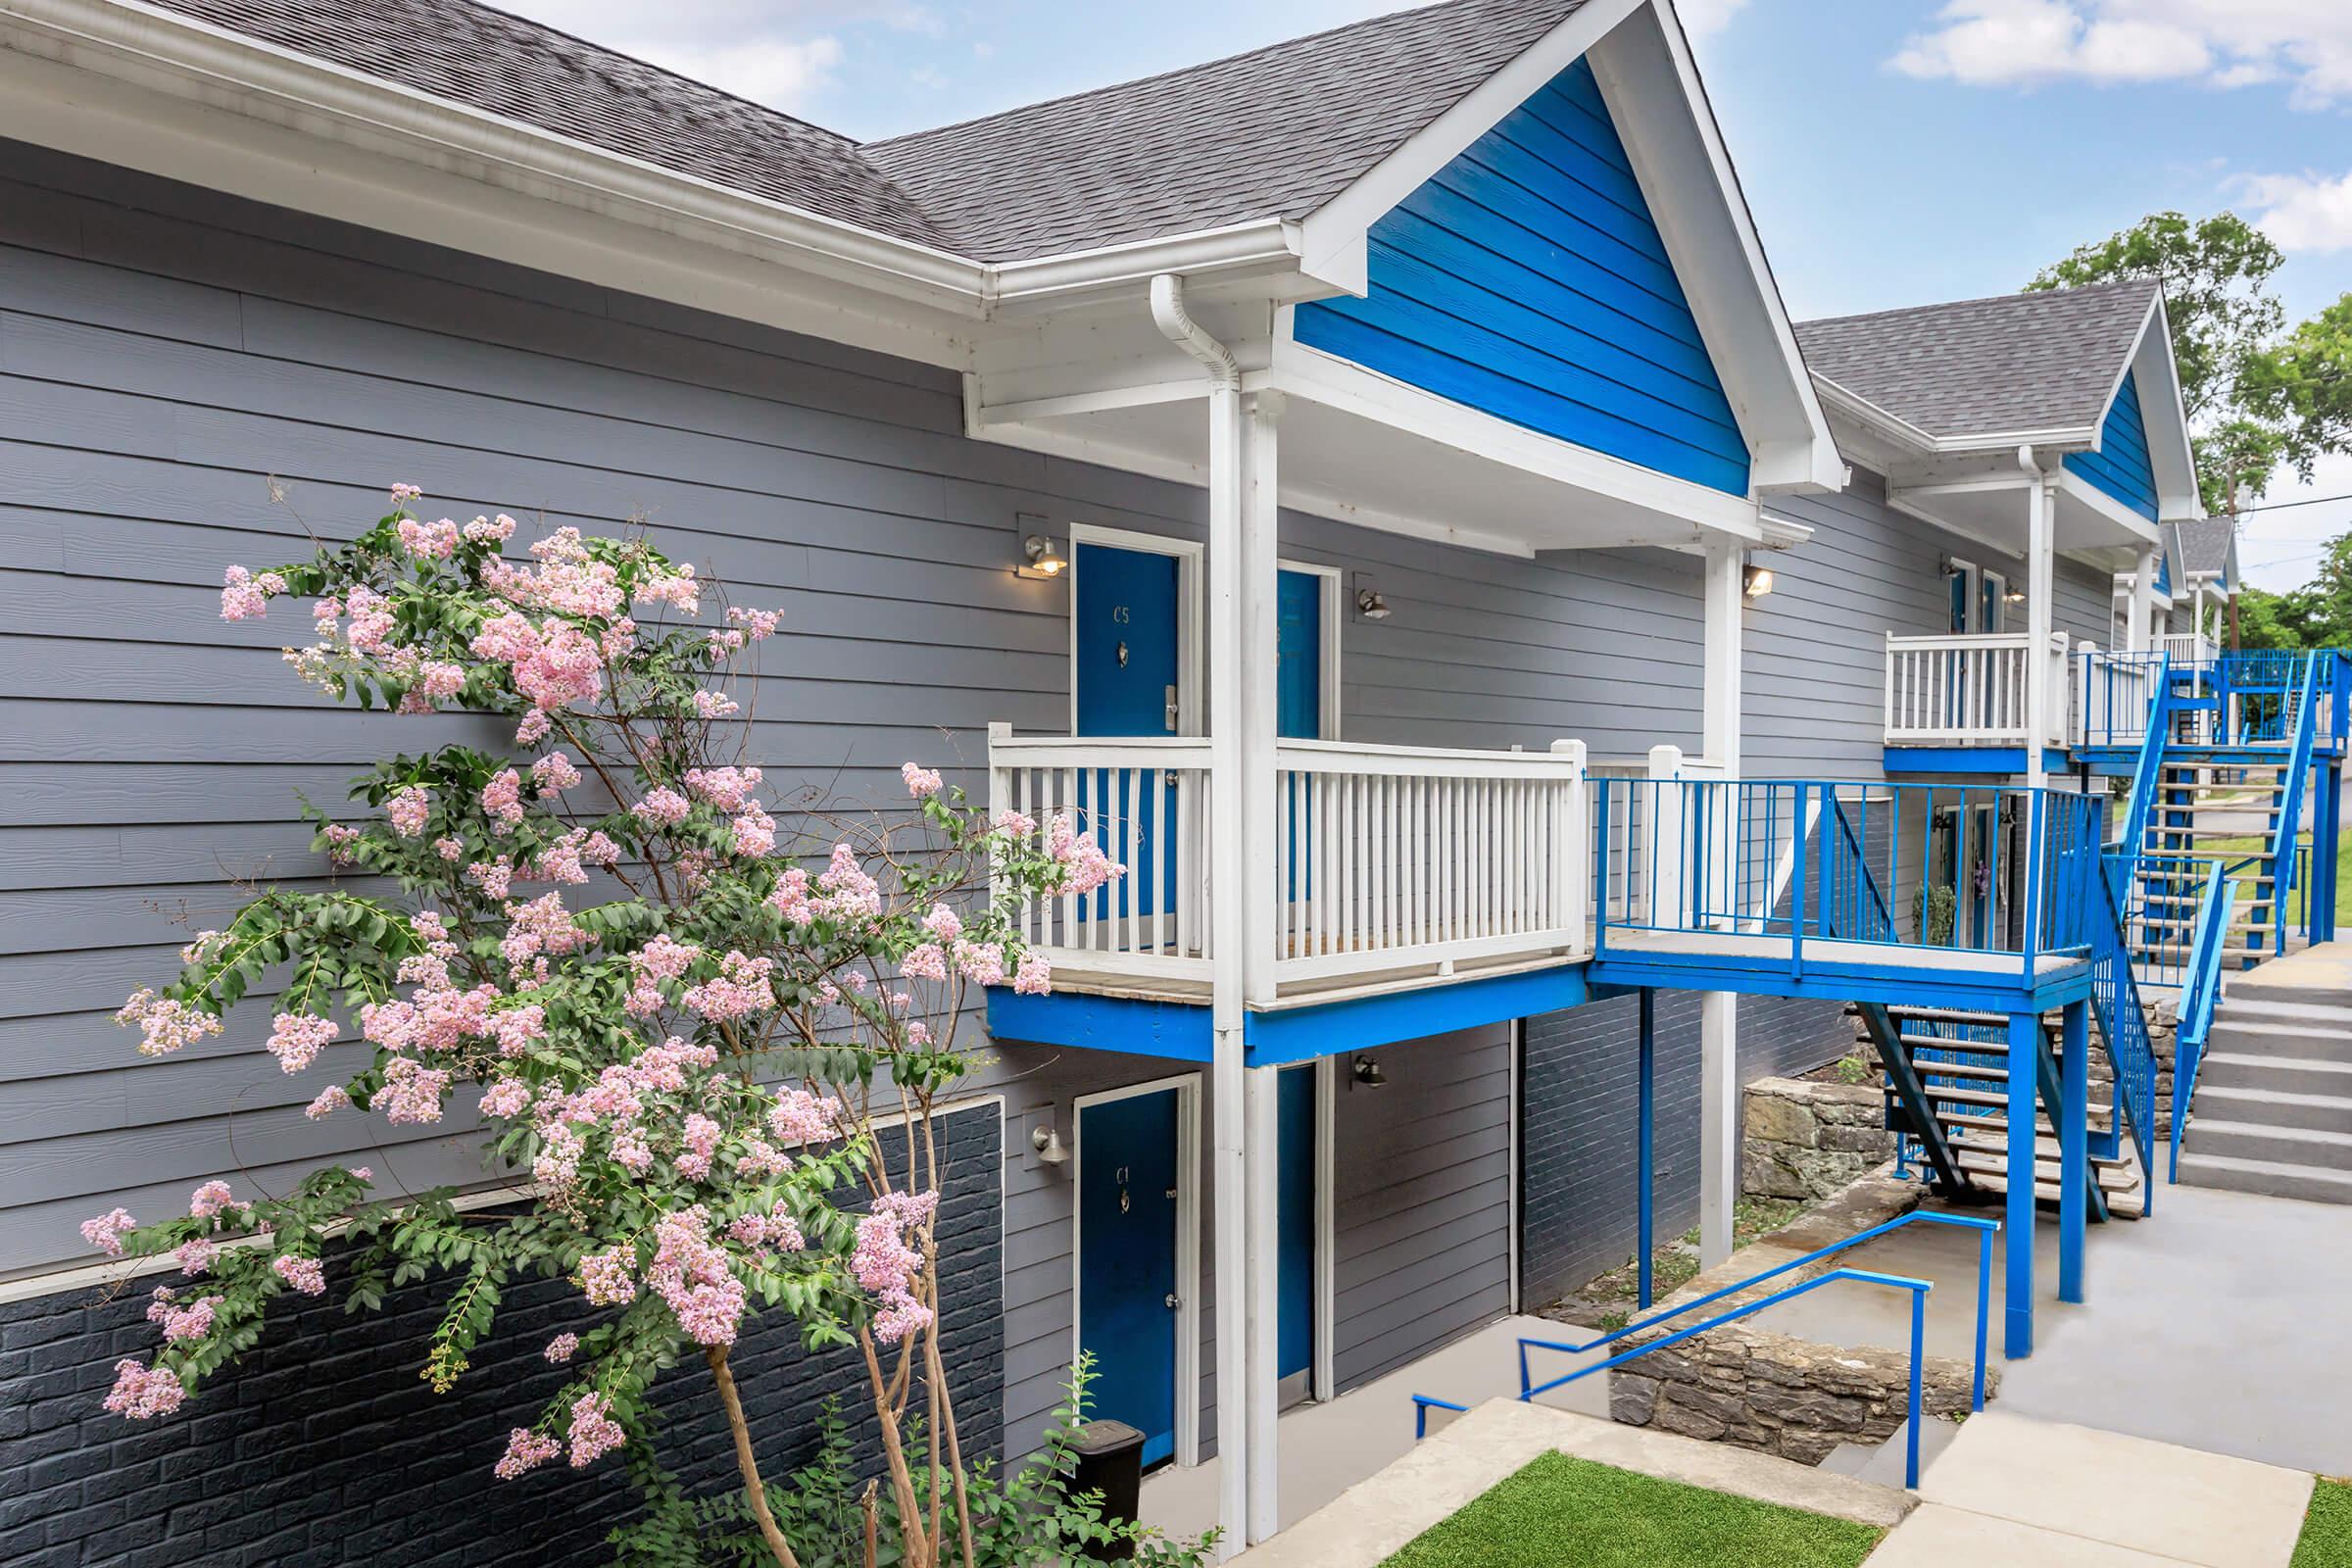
(1128, 1305)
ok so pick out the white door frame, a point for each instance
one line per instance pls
(1328, 655)
(1188, 1242)
(1187, 553)
(1996, 585)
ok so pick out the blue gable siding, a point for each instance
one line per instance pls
(1526, 279)
(2121, 465)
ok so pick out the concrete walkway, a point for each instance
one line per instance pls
(2043, 1495)
(2219, 1324)
(1323, 1449)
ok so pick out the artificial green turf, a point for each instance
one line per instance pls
(2327, 1540)
(1562, 1512)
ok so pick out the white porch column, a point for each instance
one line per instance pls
(2143, 603)
(1719, 1010)
(2040, 586)
(1259, 1399)
(1228, 878)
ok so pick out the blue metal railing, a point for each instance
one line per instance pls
(2290, 802)
(2200, 993)
(2123, 1020)
(1979, 868)
(1423, 1404)
(1984, 1229)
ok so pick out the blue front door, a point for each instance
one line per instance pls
(1295, 1221)
(1299, 656)
(1127, 1284)
(1129, 654)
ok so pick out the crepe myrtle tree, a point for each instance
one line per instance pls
(682, 1010)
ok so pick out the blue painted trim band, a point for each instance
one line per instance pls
(1173, 1031)
(1302, 1034)
(1974, 759)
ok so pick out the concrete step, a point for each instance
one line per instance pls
(2292, 1075)
(2243, 1036)
(2285, 1146)
(2246, 998)
(2276, 1107)
(2269, 1178)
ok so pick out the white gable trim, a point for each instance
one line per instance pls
(2172, 456)
(1643, 66)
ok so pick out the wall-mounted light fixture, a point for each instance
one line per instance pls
(1044, 562)
(2015, 596)
(1047, 1143)
(1369, 604)
(1368, 1073)
(1756, 581)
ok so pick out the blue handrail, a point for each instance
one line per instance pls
(1423, 1404)
(1919, 1289)
(2200, 991)
(2290, 803)
(2122, 1019)
(2150, 766)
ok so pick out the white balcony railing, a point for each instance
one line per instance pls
(2186, 648)
(1972, 690)
(1389, 861)
(1396, 857)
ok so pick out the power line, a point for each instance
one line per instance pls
(2282, 506)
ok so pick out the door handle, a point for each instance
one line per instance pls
(1174, 1300)
(1171, 719)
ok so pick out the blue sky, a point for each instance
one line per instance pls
(1896, 152)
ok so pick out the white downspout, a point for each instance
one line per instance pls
(1229, 941)
(2039, 577)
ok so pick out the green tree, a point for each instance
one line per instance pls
(2216, 273)
(2302, 387)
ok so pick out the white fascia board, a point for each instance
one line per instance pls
(1332, 235)
(1652, 84)
(1266, 246)
(1345, 385)
(2173, 457)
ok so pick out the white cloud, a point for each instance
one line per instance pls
(2279, 548)
(2302, 212)
(2220, 44)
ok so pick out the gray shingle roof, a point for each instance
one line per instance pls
(2015, 362)
(1272, 133)
(2205, 544)
(518, 69)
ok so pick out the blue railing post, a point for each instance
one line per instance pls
(1796, 898)
(1919, 1412)
(1601, 870)
(1647, 1217)
(1976, 1397)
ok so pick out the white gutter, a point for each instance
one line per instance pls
(181, 57)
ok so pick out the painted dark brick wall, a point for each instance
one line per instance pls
(1578, 1097)
(326, 1448)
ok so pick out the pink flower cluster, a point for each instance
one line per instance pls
(408, 809)
(889, 1267)
(182, 1321)
(610, 1278)
(662, 958)
(307, 1275)
(566, 579)
(525, 1450)
(541, 926)
(801, 1117)
(728, 788)
(843, 892)
(141, 1390)
(106, 1232)
(412, 1093)
(755, 833)
(330, 1100)
(692, 1274)
(552, 663)
(663, 805)
(491, 531)
(501, 798)
(164, 1025)
(1085, 868)
(677, 589)
(213, 1199)
(774, 1231)
(920, 781)
(428, 541)
(297, 1038)
(563, 1348)
(554, 773)
(246, 597)
(741, 987)
(593, 1432)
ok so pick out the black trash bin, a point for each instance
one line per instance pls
(1110, 1460)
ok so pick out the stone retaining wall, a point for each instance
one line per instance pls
(1808, 1139)
(1775, 1393)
